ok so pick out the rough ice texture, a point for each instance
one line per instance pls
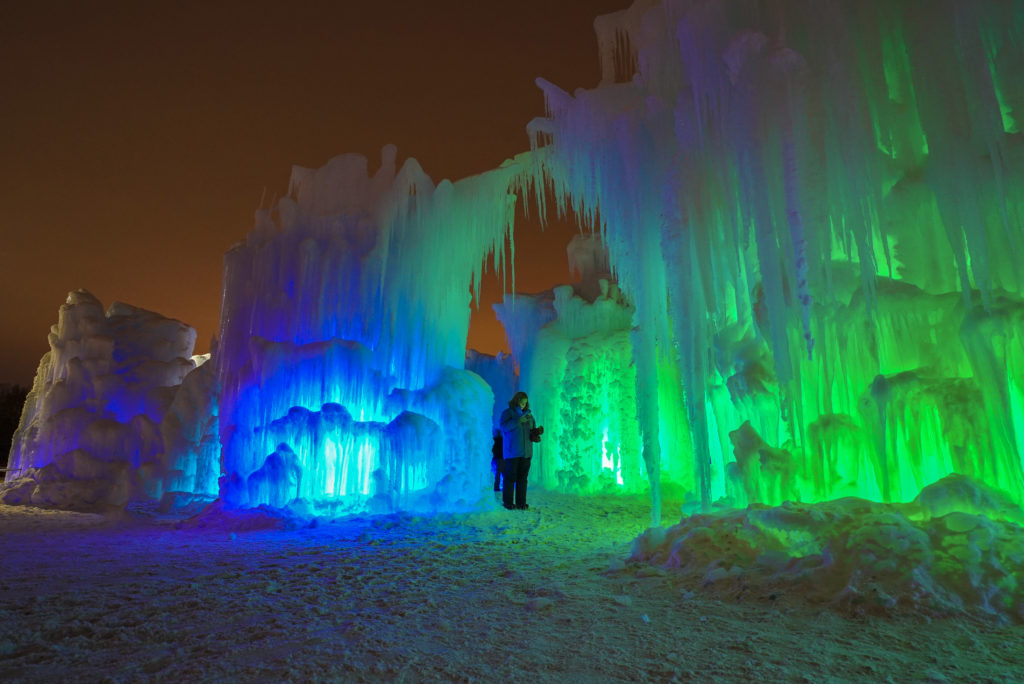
(574, 361)
(343, 340)
(815, 211)
(499, 372)
(957, 548)
(190, 434)
(588, 262)
(93, 431)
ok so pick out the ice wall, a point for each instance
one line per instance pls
(499, 372)
(92, 433)
(815, 209)
(343, 341)
(190, 433)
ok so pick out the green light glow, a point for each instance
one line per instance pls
(897, 124)
(611, 461)
(1005, 110)
(819, 249)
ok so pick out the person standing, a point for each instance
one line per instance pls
(516, 423)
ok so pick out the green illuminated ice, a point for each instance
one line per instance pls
(812, 217)
(804, 281)
(814, 211)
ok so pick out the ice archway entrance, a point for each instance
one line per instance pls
(345, 319)
(814, 210)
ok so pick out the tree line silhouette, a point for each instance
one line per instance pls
(12, 400)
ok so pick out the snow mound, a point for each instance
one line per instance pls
(956, 549)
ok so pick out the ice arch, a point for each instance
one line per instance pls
(813, 209)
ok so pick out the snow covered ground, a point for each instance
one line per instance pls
(547, 594)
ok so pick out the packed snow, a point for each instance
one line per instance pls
(561, 592)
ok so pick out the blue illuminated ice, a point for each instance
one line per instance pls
(813, 228)
(107, 398)
(343, 342)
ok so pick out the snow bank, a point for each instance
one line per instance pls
(957, 548)
(215, 517)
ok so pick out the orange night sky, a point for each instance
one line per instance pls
(139, 137)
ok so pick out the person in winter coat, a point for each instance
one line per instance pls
(517, 428)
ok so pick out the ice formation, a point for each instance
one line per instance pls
(343, 341)
(815, 210)
(572, 345)
(499, 372)
(106, 400)
(955, 548)
(191, 435)
(812, 217)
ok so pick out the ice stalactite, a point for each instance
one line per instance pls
(343, 339)
(789, 193)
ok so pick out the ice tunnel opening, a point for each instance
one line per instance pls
(351, 394)
(565, 341)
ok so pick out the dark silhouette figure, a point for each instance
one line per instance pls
(497, 461)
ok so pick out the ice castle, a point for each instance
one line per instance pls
(809, 227)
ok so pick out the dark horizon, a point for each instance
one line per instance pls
(142, 139)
